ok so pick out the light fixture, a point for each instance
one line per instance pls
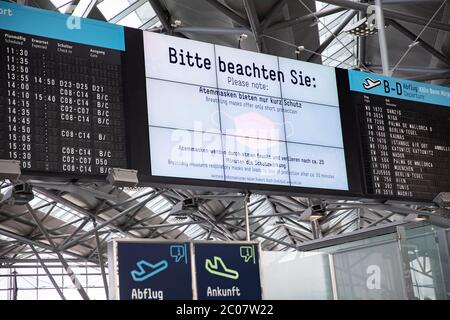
(176, 23)
(414, 217)
(10, 169)
(315, 212)
(243, 36)
(18, 194)
(299, 49)
(184, 208)
(122, 178)
(443, 200)
(361, 28)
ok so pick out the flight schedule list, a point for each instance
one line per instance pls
(406, 146)
(61, 106)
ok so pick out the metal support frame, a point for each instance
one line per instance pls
(332, 37)
(252, 15)
(382, 38)
(101, 261)
(391, 14)
(247, 220)
(403, 249)
(410, 35)
(162, 14)
(431, 76)
(49, 274)
(66, 266)
(229, 13)
(309, 18)
(102, 225)
(213, 30)
(362, 42)
(443, 237)
(272, 13)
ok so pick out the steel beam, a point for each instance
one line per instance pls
(332, 37)
(149, 24)
(76, 208)
(162, 14)
(66, 266)
(390, 13)
(408, 287)
(309, 18)
(24, 240)
(382, 38)
(229, 13)
(101, 262)
(362, 41)
(102, 225)
(49, 274)
(276, 9)
(260, 235)
(247, 220)
(420, 70)
(421, 42)
(252, 15)
(431, 76)
(213, 30)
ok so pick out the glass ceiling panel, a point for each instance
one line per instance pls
(111, 8)
(138, 17)
(132, 20)
(332, 56)
(61, 5)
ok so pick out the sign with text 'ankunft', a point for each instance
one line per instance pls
(227, 271)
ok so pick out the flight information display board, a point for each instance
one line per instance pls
(228, 115)
(405, 133)
(61, 104)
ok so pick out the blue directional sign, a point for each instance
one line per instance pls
(154, 270)
(227, 271)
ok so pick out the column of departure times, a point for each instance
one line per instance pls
(18, 102)
(378, 148)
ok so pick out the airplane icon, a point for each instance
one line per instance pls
(146, 270)
(370, 84)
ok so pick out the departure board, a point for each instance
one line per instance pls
(405, 135)
(61, 102)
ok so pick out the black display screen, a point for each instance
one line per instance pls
(61, 105)
(405, 143)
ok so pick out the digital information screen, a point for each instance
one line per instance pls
(61, 105)
(223, 114)
(405, 129)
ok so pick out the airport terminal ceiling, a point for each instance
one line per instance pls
(70, 222)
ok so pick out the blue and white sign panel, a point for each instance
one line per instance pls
(149, 270)
(227, 271)
(396, 88)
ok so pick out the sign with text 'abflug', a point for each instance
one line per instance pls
(149, 270)
(227, 271)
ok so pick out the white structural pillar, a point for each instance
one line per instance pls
(382, 38)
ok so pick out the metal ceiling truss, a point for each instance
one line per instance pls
(216, 218)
